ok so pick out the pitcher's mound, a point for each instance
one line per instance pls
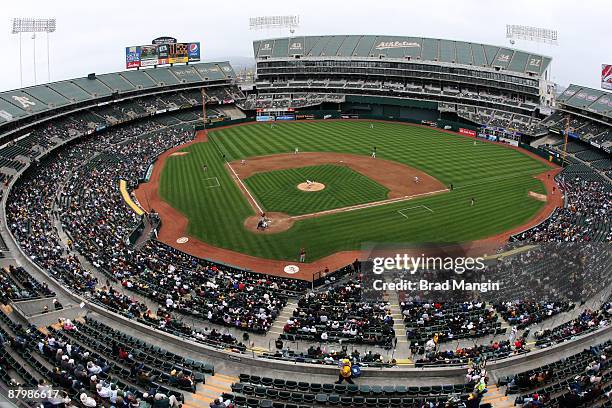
(314, 186)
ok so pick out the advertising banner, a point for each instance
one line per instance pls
(193, 52)
(163, 51)
(148, 55)
(132, 57)
(467, 132)
(163, 54)
(606, 76)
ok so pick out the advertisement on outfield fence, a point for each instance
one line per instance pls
(467, 132)
(265, 118)
(606, 76)
(285, 117)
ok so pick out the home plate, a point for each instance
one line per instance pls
(291, 269)
(182, 240)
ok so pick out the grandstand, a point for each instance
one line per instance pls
(98, 306)
(424, 70)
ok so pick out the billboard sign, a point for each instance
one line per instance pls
(148, 55)
(161, 53)
(132, 57)
(467, 132)
(606, 76)
(193, 52)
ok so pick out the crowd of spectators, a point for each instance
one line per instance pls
(523, 313)
(76, 190)
(587, 321)
(465, 355)
(163, 320)
(448, 321)
(16, 284)
(586, 217)
(339, 314)
(580, 381)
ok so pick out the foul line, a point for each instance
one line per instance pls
(368, 205)
(245, 189)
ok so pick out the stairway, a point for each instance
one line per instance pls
(206, 393)
(402, 350)
(497, 398)
(277, 328)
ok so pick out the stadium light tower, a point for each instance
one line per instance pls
(528, 33)
(33, 26)
(269, 22)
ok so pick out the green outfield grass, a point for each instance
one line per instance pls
(498, 178)
(277, 190)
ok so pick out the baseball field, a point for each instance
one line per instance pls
(364, 199)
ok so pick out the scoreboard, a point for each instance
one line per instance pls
(163, 52)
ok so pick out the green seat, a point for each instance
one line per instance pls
(358, 401)
(364, 389)
(297, 397)
(333, 399)
(321, 398)
(389, 389)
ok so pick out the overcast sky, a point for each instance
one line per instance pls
(91, 35)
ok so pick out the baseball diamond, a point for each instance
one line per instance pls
(216, 216)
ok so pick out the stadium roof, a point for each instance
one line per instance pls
(415, 48)
(588, 99)
(20, 103)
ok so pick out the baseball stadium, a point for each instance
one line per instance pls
(362, 221)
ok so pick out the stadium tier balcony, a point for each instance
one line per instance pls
(525, 313)
(587, 214)
(17, 284)
(450, 321)
(338, 314)
(578, 380)
(256, 391)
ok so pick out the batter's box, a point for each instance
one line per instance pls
(211, 182)
(403, 211)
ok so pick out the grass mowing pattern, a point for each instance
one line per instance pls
(277, 190)
(498, 178)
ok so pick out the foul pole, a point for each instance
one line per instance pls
(203, 92)
(567, 130)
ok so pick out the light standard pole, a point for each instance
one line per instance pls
(33, 26)
(34, 42)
